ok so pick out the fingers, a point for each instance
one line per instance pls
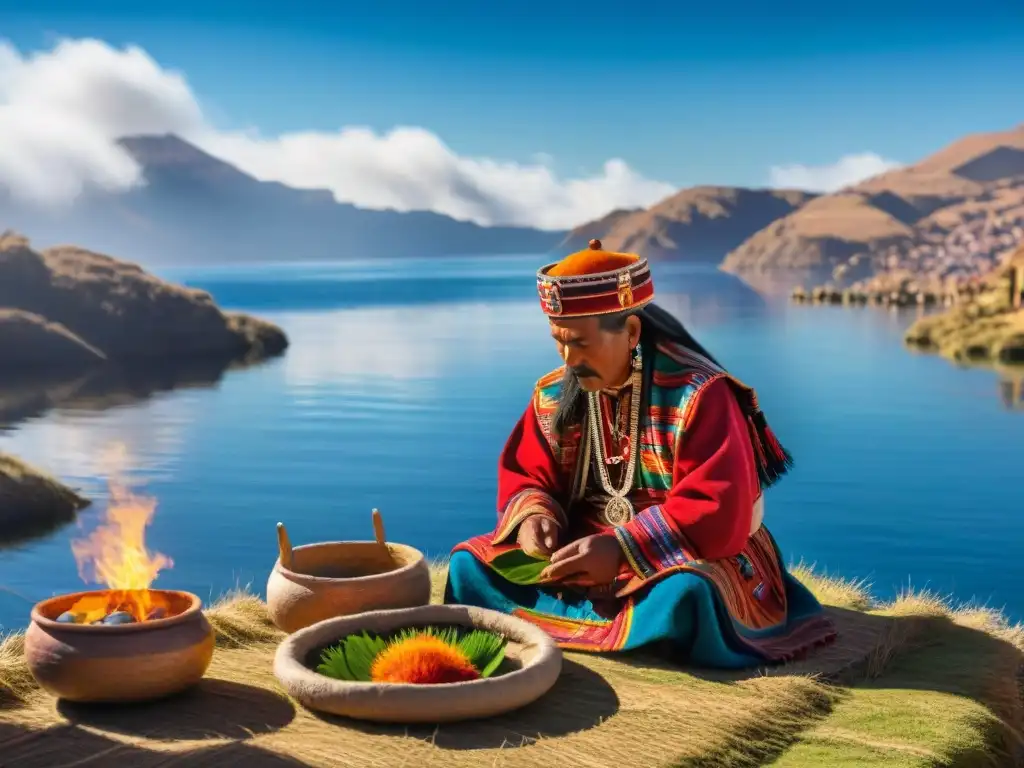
(564, 568)
(533, 543)
(535, 548)
(567, 551)
(549, 533)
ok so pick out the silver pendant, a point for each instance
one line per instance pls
(618, 511)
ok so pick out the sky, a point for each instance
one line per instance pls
(536, 113)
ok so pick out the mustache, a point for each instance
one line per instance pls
(584, 372)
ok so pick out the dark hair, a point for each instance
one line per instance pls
(656, 325)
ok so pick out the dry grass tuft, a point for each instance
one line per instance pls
(16, 682)
(833, 590)
(240, 620)
(438, 578)
(936, 686)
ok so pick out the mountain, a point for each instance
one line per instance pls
(949, 216)
(195, 208)
(580, 236)
(696, 224)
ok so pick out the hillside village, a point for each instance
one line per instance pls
(934, 226)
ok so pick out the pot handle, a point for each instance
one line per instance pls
(284, 546)
(378, 527)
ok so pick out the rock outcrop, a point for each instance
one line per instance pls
(67, 307)
(70, 312)
(985, 327)
(32, 502)
(35, 342)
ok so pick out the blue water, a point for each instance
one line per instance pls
(404, 378)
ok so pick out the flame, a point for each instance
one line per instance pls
(115, 555)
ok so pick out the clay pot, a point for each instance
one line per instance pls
(339, 578)
(534, 660)
(121, 663)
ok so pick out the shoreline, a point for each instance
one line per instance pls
(33, 503)
(70, 318)
(916, 680)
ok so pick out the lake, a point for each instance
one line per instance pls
(404, 378)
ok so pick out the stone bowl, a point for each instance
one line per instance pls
(122, 663)
(532, 662)
(340, 578)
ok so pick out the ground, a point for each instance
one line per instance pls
(911, 683)
(984, 329)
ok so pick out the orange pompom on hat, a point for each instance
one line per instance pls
(594, 282)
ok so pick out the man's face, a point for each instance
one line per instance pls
(599, 358)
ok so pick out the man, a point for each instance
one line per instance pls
(629, 493)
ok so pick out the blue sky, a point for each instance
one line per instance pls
(685, 96)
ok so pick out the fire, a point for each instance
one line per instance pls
(115, 555)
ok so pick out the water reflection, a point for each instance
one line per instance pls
(421, 283)
(28, 397)
(402, 345)
(1011, 388)
(405, 407)
(74, 441)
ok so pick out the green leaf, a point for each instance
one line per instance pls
(492, 666)
(352, 658)
(360, 651)
(332, 663)
(482, 648)
(519, 568)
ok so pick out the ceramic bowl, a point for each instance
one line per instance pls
(122, 663)
(341, 578)
(532, 665)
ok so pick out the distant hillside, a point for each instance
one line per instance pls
(948, 217)
(195, 208)
(580, 237)
(696, 224)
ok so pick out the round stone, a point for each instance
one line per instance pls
(119, 617)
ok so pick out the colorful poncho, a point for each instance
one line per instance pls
(705, 454)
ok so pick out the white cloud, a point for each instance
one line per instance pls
(61, 111)
(847, 170)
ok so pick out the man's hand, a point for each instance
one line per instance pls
(538, 536)
(591, 561)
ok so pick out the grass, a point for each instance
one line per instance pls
(915, 682)
(983, 330)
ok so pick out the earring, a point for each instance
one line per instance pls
(638, 358)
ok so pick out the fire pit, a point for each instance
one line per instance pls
(339, 578)
(115, 659)
(127, 642)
